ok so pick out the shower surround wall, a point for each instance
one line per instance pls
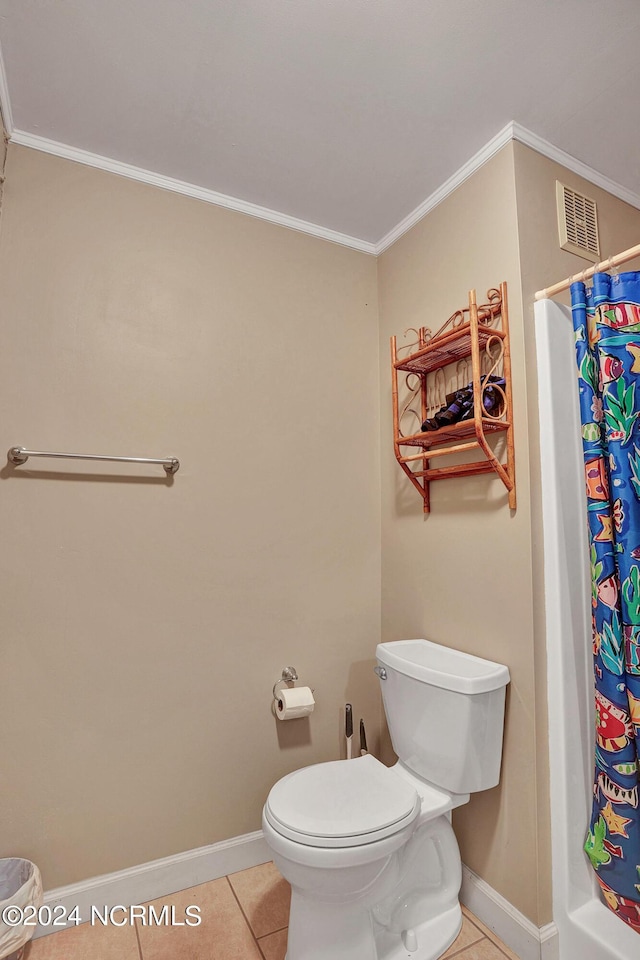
(145, 624)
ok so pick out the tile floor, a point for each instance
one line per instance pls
(244, 917)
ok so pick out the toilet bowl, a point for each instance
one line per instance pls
(369, 851)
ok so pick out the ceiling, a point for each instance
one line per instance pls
(346, 114)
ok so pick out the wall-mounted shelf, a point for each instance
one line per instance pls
(471, 347)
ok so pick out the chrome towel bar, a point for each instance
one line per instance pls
(18, 455)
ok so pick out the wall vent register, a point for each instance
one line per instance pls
(577, 223)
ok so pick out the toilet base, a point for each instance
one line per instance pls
(430, 939)
(327, 931)
(400, 907)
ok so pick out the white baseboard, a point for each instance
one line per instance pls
(158, 878)
(512, 927)
(549, 942)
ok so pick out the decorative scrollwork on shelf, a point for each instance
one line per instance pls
(407, 408)
(436, 392)
(495, 359)
(502, 414)
(488, 312)
(463, 373)
(408, 347)
(456, 320)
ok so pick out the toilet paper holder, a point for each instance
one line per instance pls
(289, 675)
(287, 711)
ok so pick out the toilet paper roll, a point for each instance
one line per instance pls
(294, 702)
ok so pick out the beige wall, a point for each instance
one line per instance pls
(137, 613)
(462, 576)
(144, 623)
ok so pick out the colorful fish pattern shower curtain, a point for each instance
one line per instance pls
(606, 321)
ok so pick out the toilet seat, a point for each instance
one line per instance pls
(341, 803)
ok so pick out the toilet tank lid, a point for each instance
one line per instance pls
(442, 667)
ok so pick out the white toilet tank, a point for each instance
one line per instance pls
(445, 711)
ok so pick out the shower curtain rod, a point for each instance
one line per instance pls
(609, 264)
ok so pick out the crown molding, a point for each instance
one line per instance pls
(5, 103)
(512, 131)
(529, 139)
(466, 170)
(187, 189)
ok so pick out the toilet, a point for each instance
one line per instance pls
(369, 850)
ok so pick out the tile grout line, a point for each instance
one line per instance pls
(490, 935)
(246, 919)
(493, 939)
(135, 927)
(498, 944)
(503, 953)
(279, 930)
(501, 946)
(261, 950)
(473, 943)
(264, 937)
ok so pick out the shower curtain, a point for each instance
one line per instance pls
(606, 321)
